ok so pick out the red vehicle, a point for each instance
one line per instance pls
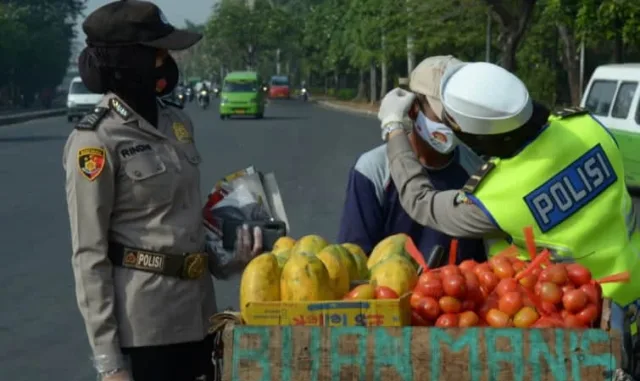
(279, 87)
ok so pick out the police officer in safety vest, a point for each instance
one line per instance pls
(560, 174)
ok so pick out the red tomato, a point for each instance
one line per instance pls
(468, 319)
(384, 292)
(415, 300)
(450, 270)
(449, 304)
(567, 287)
(526, 317)
(417, 320)
(504, 270)
(447, 321)
(430, 287)
(578, 274)
(472, 281)
(482, 268)
(497, 318)
(518, 265)
(588, 315)
(468, 305)
(510, 303)
(505, 286)
(558, 274)
(574, 301)
(454, 285)
(488, 281)
(490, 303)
(550, 292)
(528, 282)
(592, 293)
(429, 275)
(429, 308)
(572, 321)
(545, 322)
(549, 308)
(468, 265)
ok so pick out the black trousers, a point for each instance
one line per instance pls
(176, 362)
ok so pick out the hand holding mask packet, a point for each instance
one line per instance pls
(245, 198)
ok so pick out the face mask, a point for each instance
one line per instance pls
(167, 77)
(437, 135)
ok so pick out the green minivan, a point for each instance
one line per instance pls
(242, 94)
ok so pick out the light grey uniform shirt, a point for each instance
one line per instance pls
(143, 193)
(438, 210)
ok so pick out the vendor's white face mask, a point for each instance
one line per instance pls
(439, 136)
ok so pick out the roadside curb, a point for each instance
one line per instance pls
(329, 104)
(26, 116)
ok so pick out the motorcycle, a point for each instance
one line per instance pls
(216, 92)
(203, 99)
(304, 94)
(189, 94)
(180, 98)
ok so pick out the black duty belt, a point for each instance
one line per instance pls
(185, 266)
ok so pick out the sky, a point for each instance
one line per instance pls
(176, 11)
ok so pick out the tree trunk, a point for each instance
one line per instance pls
(373, 82)
(384, 79)
(570, 61)
(362, 91)
(512, 28)
(618, 46)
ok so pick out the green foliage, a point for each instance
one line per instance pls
(332, 43)
(36, 43)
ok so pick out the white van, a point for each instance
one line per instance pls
(80, 100)
(612, 97)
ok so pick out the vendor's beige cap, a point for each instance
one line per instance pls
(426, 77)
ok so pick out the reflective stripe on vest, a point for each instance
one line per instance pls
(575, 198)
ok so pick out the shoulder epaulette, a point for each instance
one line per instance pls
(92, 120)
(570, 112)
(166, 102)
(475, 179)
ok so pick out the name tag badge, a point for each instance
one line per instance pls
(133, 150)
(571, 189)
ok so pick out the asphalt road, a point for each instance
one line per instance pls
(42, 336)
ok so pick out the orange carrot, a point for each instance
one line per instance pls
(540, 259)
(411, 248)
(622, 277)
(453, 251)
(530, 241)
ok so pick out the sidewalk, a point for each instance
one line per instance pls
(362, 108)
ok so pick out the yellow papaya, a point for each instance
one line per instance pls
(395, 272)
(338, 262)
(392, 245)
(305, 278)
(310, 244)
(360, 257)
(283, 244)
(260, 281)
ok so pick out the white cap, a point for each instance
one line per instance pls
(485, 99)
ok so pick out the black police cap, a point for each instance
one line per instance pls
(129, 22)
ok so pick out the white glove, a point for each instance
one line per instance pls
(245, 250)
(395, 107)
(122, 375)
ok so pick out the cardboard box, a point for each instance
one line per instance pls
(288, 353)
(369, 313)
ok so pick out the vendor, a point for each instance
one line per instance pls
(372, 210)
(561, 175)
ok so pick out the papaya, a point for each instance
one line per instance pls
(360, 258)
(282, 258)
(310, 244)
(260, 281)
(395, 272)
(339, 263)
(305, 278)
(390, 246)
(283, 244)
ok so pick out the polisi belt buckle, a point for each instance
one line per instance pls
(194, 265)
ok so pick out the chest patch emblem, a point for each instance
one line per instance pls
(571, 189)
(91, 161)
(181, 133)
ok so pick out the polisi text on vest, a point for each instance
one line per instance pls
(571, 189)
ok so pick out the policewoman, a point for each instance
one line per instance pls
(562, 174)
(134, 203)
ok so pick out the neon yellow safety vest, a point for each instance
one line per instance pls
(568, 184)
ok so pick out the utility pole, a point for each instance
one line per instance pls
(251, 6)
(411, 55)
